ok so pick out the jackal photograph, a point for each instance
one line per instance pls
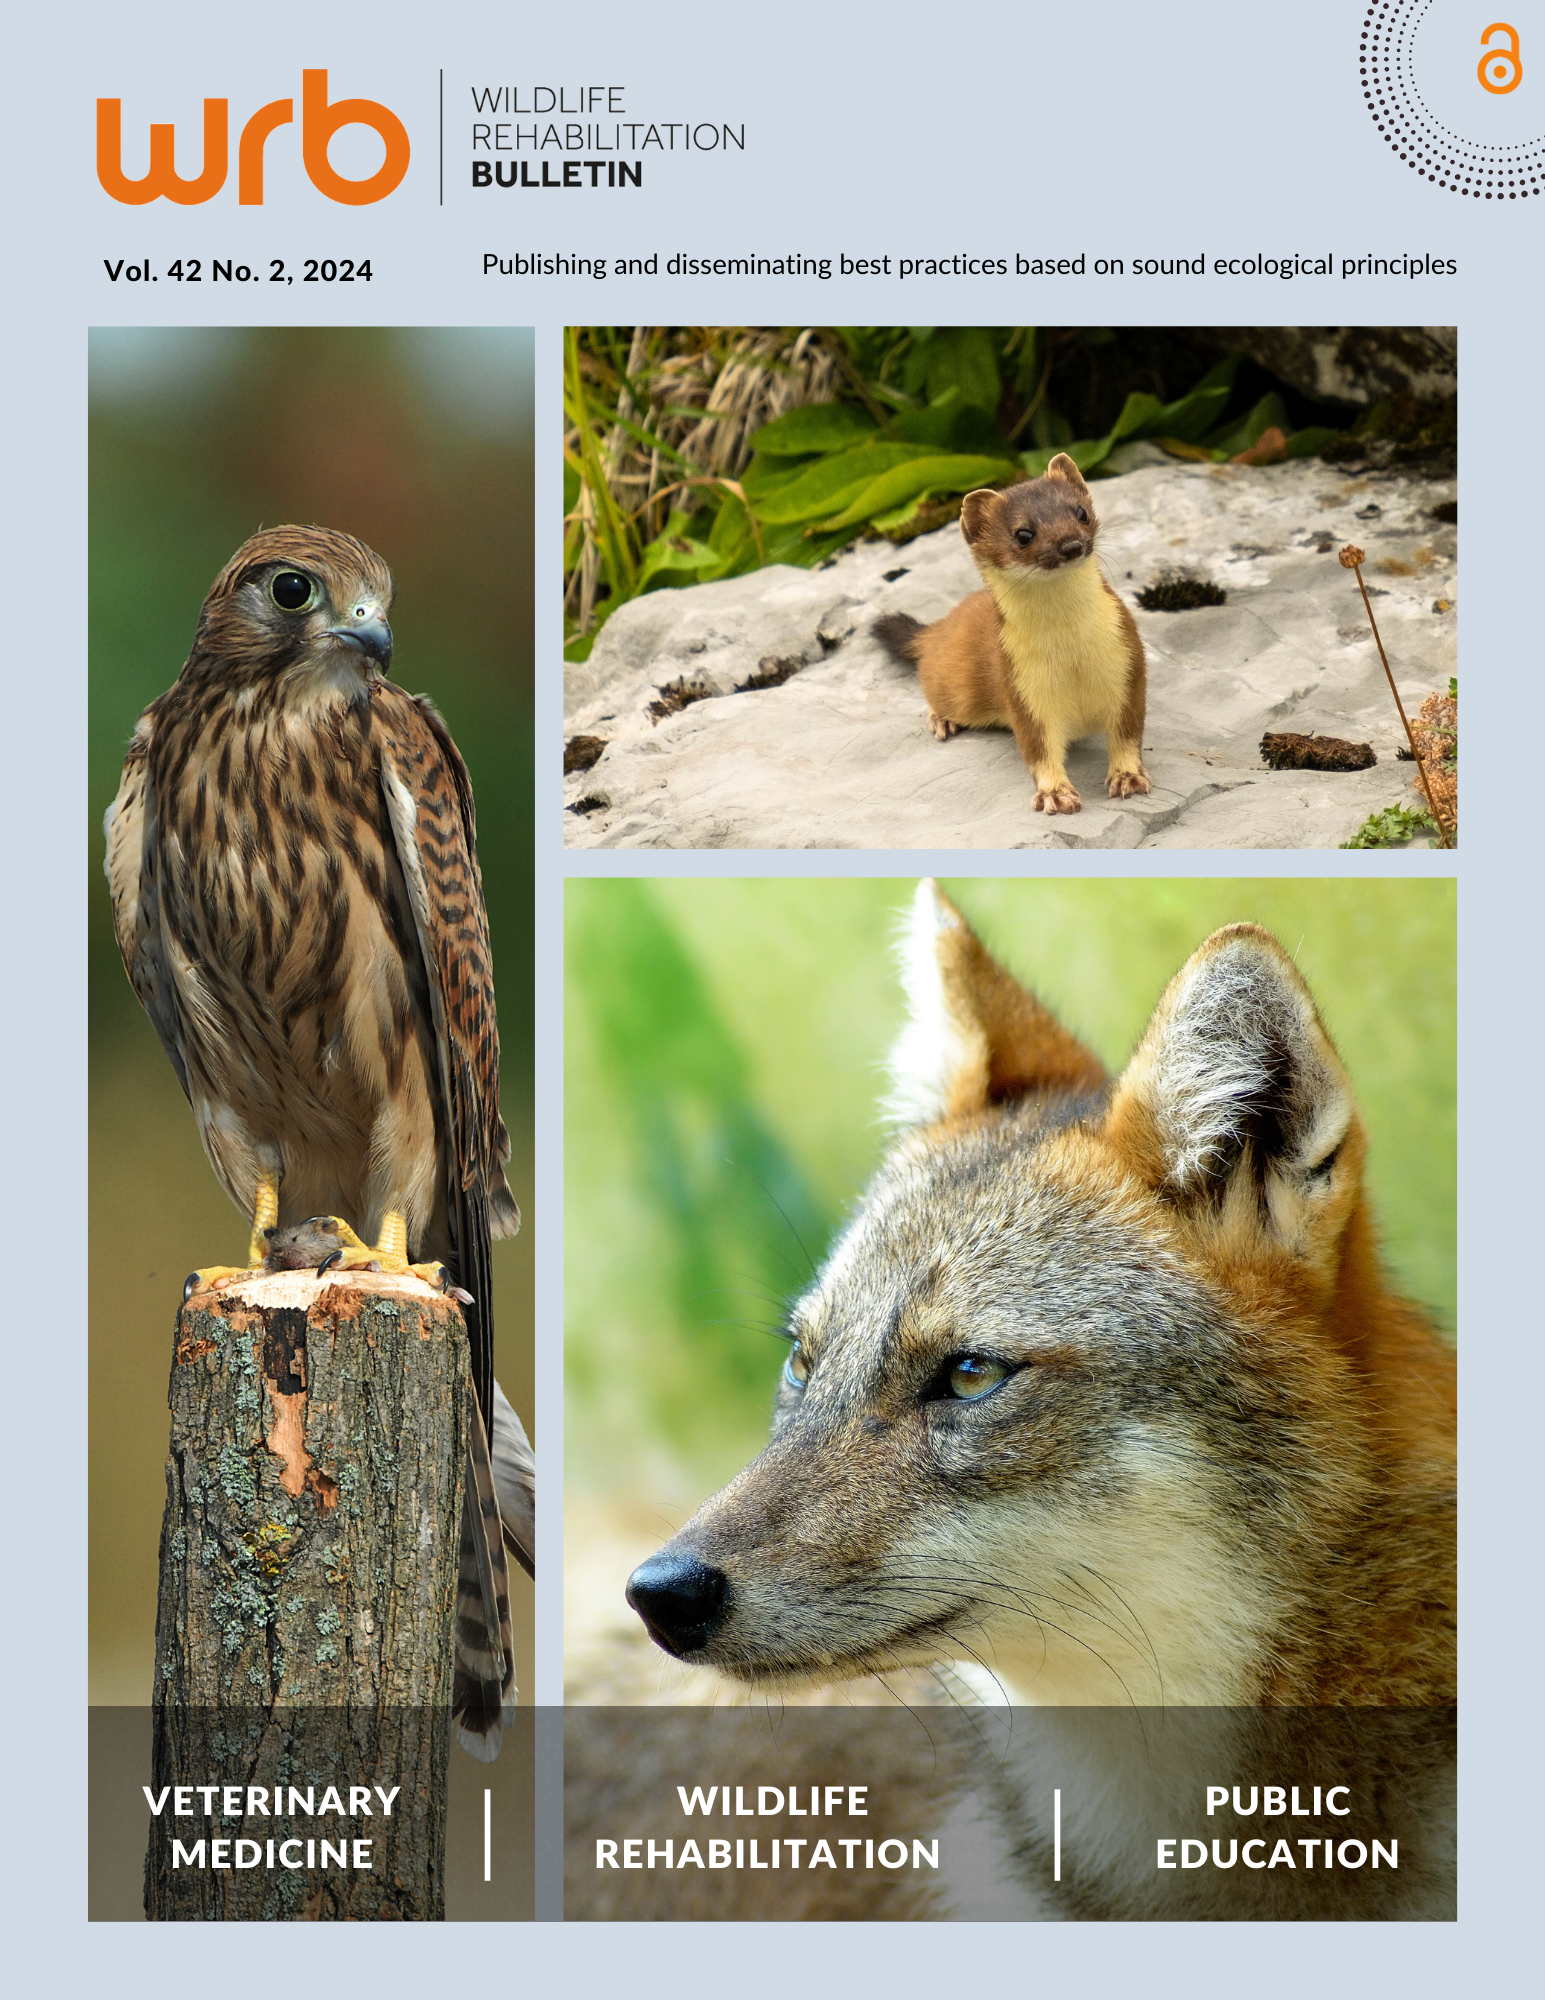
(1127, 1384)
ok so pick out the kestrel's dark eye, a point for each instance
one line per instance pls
(1024, 536)
(796, 1370)
(1080, 513)
(292, 591)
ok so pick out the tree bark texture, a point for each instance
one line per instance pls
(307, 1593)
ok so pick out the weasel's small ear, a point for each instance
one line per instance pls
(976, 1036)
(1235, 1106)
(1062, 467)
(976, 512)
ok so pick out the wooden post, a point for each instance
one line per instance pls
(307, 1593)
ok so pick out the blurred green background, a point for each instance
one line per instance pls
(418, 441)
(723, 1052)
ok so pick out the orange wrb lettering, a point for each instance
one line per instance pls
(163, 177)
(320, 120)
(249, 153)
(1500, 69)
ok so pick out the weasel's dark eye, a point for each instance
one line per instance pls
(292, 591)
(970, 1377)
(1080, 513)
(1024, 536)
(796, 1370)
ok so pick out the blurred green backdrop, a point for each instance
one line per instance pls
(723, 1052)
(418, 441)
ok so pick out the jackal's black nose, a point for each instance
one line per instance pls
(680, 1599)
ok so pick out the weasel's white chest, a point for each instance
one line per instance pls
(1063, 636)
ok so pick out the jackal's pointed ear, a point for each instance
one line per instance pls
(1236, 1100)
(975, 1036)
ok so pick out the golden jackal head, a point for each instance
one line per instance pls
(1101, 1388)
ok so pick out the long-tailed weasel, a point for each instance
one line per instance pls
(1047, 649)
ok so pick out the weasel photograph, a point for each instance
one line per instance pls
(1010, 587)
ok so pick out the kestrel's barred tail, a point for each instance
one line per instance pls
(485, 1662)
(484, 1684)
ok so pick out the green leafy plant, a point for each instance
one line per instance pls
(694, 454)
(1395, 826)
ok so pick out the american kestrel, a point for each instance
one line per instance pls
(298, 903)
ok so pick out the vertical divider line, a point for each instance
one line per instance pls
(1056, 1835)
(488, 1835)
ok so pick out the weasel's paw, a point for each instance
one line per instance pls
(1059, 799)
(942, 727)
(1128, 784)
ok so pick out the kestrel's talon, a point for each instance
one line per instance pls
(213, 1276)
(327, 1263)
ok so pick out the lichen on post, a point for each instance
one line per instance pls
(307, 1595)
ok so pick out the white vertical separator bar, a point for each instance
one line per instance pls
(488, 1834)
(1056, 1835)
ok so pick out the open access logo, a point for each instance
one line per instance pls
(1452, 92)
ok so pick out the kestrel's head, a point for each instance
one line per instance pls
(299, 598)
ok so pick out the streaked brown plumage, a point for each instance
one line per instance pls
(299, 907)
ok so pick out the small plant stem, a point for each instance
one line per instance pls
(1421, 768)
(837, 348)
(1034, 403)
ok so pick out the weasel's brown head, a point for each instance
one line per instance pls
(1037, 528)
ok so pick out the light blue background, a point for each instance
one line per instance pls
(1131, 129)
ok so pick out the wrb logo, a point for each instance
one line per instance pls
(320, 122)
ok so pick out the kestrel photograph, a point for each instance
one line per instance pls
(311, 1120)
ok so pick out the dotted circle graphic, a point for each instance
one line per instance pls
(1430, 148)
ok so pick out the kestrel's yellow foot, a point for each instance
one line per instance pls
(214, 1275)
(265, 1212)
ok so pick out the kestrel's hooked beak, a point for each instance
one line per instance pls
(366, 630)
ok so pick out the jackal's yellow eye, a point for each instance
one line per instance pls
(796, 1370)
(973, 1375)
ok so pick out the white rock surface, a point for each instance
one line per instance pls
(841, 754)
